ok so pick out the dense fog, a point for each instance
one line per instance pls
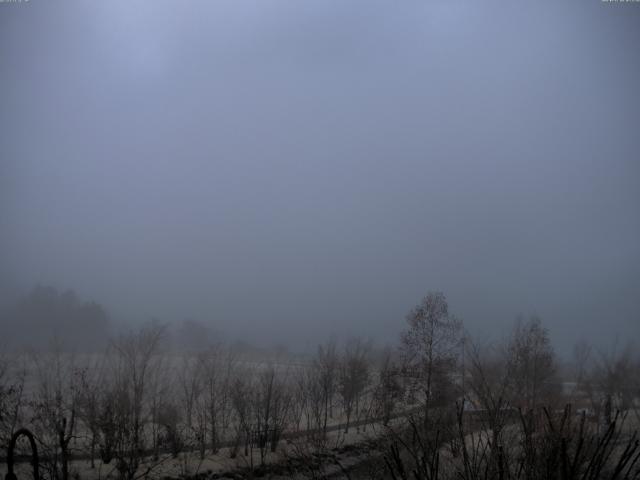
(282, 171)
(319, 239)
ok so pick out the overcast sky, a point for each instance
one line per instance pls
(290, 169)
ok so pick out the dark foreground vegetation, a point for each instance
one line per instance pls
(541, 444)
(438, 406)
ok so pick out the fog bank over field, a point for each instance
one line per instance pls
(286, 170)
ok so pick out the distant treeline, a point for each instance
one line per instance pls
(48, 318)
(46, 315)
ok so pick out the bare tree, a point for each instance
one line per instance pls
(581, 357)
(354, 376)
(190, 388)
(271, 403)
(300, 401)
(170, 418)
(326, 365)
(315, 410)
(160, 387)
(613, 381)
(12, 382)
(489, 390)
(55, 406)
(136, 357)
(91, 403)
(388, 390)
(217, 367)
(430, 347)
(241, 403)
(531, 364)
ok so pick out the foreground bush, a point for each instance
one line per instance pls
(535, 445)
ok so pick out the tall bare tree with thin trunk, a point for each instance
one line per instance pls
(354, 376)
(430, 348)
(218, 367)
(326, 374)
(532, 364)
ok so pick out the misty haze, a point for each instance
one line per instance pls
(319, 239)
